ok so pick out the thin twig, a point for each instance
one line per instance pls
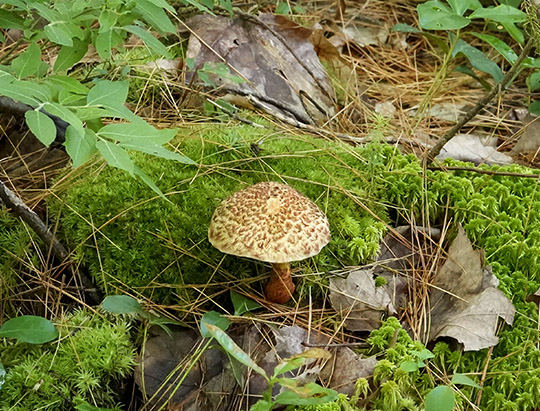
(480, 171)
(12, 201)
(468, 116)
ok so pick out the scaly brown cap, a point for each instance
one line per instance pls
(270, 222)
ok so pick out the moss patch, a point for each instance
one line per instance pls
(130, 238)
(87, 364)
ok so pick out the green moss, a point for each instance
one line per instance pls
(17, 255)
(130, 238)
(88, 363)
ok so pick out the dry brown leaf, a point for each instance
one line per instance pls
(345, 367)
(465, 302)
(360, 301)
(284, 75)
(469, 147)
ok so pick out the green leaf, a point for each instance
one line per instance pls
(153, 44)
(10, 20)
(69, 84)
(116, 156)
(70, 55)
(504, 49)
(300, 359)
(155, 16)
(63, 32)
(468, 71)
(107, 19)
(434, 15)
(108, 93)
(282, 8)
(41, 126)
(146, 146)
(409, 366)
(28, 62)
(150, 183)
(461, 6)
(534, 108)
(214, 318)
(405, 28)
(515, 32)
(425, 354)
(462, 379)
(503, 13)
(80, 147)
(440, 398)
(132, 131)
(122, 304)
(84, 406)
(17, 92)
(163, 4)
(533, 81)
(106, 41)
(232, 348)
(65, 114)
(198, 4)
(478, 59)
(309, 394)
(242, 304)
(30, 329)
(262, 405)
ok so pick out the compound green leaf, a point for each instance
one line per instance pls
(28, 62)
(153, 44)
(461, 6)
(155, 16)
(80, 146)
(116, 156)
(9, 20)
(434, 15)
(108, 93)
(41, 126)
(30, 329)
(503, 13)
(107, 19)
(70, 55)
(148, 147)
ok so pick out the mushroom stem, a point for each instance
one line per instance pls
(280, 287)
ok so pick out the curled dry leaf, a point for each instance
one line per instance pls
(360, 301)
(274, 55)
(469, 147)
(465, 301)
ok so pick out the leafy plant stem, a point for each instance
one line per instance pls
(465, 118)
(440, 76)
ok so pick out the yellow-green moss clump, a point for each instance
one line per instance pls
(129, 237)
(87, 364)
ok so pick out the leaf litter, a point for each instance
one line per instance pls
(274, 56)
(464, 302)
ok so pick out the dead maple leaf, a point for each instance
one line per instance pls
(465, 301)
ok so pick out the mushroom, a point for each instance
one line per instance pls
(270, 222)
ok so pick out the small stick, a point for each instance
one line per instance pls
(12, 201)
(468, 116)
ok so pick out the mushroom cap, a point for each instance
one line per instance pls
(270, 222)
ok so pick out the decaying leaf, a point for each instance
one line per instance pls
(529, 142)
(465, 302)
(359, 300)
(167, 357)
(345, 367)
(469, 147)
(274, 56)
